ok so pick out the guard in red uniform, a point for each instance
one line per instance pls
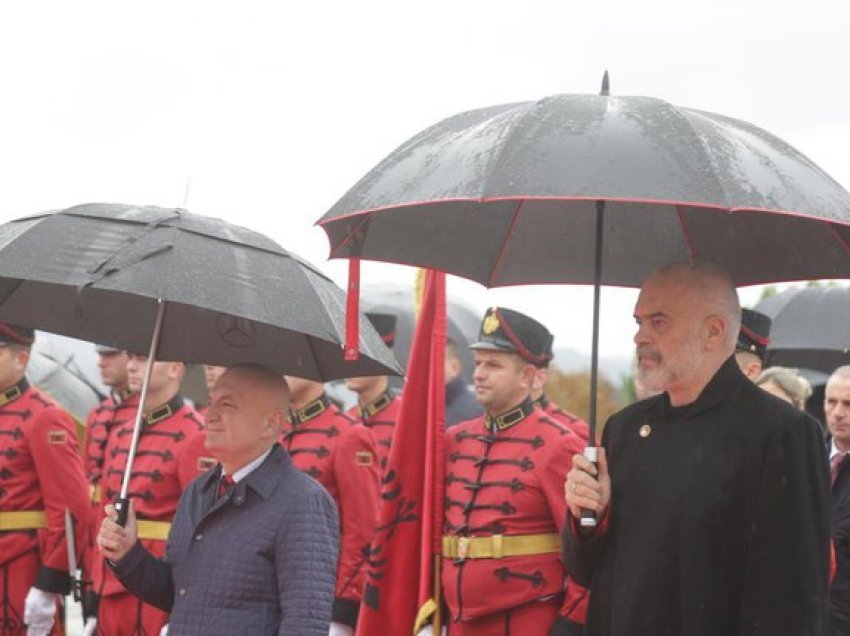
(377, 405)
(505, 505)
(211, 375)
(41, 476)
(170, 454)
(340, 454)
(538, 395)
(117, 408)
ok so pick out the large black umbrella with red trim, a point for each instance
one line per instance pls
(595, 189)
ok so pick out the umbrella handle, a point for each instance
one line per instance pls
(588, 517)
(122, 507)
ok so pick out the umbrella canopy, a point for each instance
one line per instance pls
(508, 195)
(811, 328)
(97, 271)
(67, 370)
(462, 322)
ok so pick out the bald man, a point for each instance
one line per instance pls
(254, 543)
(712, 497)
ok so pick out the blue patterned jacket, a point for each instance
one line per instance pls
(259, 561)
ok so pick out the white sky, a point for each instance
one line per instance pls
(274, 109)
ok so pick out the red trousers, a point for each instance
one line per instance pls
(125, 615)
(526, 620)
(16, 578)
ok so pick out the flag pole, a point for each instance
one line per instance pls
(438, 594)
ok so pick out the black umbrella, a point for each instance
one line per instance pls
(811, 328)
(508, 195)
(530, 192)
(97, 272)
(181, 287)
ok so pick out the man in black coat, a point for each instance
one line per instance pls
(712, 497)
(837, 411)
(254, 543)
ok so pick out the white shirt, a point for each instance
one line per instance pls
(248, 468)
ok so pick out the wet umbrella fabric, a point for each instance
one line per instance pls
(232, 295)
(462, 322)
(508, 195)
(811, 328)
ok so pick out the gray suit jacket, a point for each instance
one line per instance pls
(260, 561)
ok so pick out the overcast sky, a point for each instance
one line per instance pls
(271, 111)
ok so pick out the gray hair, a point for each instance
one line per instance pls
(715, 286)
(790, 382)
(841, 373)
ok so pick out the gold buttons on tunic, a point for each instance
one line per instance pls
(645, 430)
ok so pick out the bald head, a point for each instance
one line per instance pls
(263, 380)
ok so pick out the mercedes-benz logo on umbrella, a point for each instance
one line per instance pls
(237, 332)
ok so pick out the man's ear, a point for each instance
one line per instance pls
(22, 358)
(541, 376)
(275, 422)
(529, 373)
(715, 329)
(455, 366)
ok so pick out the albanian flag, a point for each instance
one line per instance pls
(400, 592)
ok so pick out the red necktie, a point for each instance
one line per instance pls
(225, 485)
(835, 466)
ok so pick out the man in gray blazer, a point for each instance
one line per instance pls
(257, 556)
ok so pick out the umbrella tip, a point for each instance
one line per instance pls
(605, 91)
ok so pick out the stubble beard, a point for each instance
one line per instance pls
(674, 370)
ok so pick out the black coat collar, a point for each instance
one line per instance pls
(727, 380)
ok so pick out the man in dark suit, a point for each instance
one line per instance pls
(254, 542)
(837, 411)
(714, 515)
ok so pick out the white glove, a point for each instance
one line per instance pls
(164, 630)
(428, 630)
(90, 628)
(39, 612)
(338, 629)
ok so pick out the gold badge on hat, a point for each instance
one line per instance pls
(645, 430)
(491, 323)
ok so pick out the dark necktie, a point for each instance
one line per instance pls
(835, 466)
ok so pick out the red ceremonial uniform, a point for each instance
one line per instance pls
(380, 416)
(504, 511)
(341, 455)
(575, 424)
(118, 408)
(170, 454)
(41, 475)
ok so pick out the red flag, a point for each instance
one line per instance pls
(399, 593)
